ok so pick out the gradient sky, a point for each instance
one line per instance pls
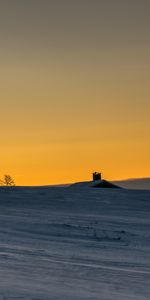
(74, 89)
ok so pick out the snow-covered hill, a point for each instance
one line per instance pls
(137, 183)
(67, 244)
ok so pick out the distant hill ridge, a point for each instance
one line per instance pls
(134, 183)
(131, 183)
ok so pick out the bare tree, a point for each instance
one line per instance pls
(7, 181)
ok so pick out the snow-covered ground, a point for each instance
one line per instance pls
(138, 183)
(74, 243)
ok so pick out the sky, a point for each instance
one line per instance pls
(74, 89)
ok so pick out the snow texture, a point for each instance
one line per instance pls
(68, 244)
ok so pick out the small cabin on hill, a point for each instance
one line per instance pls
(97, 176)
(97, 182)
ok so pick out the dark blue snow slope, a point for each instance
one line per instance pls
(61, 243)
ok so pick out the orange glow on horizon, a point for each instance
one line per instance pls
(74, 93)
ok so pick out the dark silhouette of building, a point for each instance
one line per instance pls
(97, 182)
(97, 176)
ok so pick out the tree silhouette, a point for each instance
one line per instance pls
(7, 181)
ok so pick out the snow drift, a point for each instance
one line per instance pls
(67, 244)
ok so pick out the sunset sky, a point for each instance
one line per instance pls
(74, 89)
